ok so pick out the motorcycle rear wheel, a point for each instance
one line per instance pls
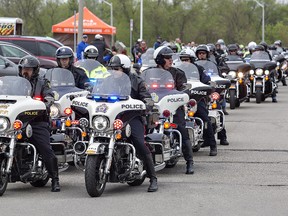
(95, 178)
(3, 176)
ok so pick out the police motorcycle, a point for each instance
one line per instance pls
(282, 68)
(238, 74)
(198, 91)
(220, 86)
(19, 159)
(105, 115)
(262, 76)
(164, 139)
(64, 128)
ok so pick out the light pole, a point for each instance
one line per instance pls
(141, 19)
(263, 19)
(111, 17)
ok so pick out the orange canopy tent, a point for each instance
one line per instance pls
(92, 25)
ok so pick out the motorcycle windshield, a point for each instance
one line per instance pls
(259, 58)
(18, 86)
(147, 58)
(190, 70)
(60, 77)
(158, 78)
(210, 67)
(92, 68)
(114, 85)
(233, 65)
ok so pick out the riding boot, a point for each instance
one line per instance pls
(188, 156)
(284, 81)
(52, 168)
(151, 173)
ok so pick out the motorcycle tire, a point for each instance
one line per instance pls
(95, 178)
(232, 99)
(258, 94)
(237, 103)
(137, 182)
(3, 176)
(197, 147)
(40, 183)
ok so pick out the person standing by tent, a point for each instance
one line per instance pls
(81, 47)
(99, 43)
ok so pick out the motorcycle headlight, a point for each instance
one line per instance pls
(54, 111)
(240, 75)
(251, 72)
(100, 123)
(4, 124)
(232, 74)
(259, 72)
(267, 72)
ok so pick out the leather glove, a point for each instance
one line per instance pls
(149, 104)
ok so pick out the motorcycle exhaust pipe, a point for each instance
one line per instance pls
(79, 148)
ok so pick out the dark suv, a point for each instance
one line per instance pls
(14, 53)
(42, 47)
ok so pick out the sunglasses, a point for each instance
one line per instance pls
(185, 60)
(202, 53)
(167, 57)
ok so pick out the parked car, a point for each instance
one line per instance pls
(42, 47)
(15, 53)
(7, 67)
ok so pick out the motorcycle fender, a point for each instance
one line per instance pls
(233, 86)
(95, 148)
(258, 83)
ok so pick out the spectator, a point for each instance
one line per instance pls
(157, 43)
(81, 47)
(100, 44)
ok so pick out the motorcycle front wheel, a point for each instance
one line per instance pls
(232, 99)
(95, 178)
(3, 176)
(258, 94)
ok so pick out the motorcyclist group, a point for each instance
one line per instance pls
(29, 69)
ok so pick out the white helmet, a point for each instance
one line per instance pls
(252, 45)
(187, 52)
(98, 36)
(120, 60)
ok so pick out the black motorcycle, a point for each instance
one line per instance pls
(262, 77)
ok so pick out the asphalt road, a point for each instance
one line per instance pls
(248, 177)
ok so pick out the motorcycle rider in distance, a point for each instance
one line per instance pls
(121, 62)
(202, 53)
(65, 59)
(163, 58)
(188, 55)
(91, 52)
(29, 67)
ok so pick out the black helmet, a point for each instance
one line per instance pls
(29, 62)
(211, 47)
(120, 60)
(64, 52)
(264, 44)
(232, 47)
(259, 48)
(202, 47)
(91, 52)
(160, 53)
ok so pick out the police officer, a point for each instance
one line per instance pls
(122, 63)
(202, 53)
(29, 69)
(163, 58)
(98, 70)
(65, 59)
(202, 111)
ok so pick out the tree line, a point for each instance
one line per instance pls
(202, 21)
